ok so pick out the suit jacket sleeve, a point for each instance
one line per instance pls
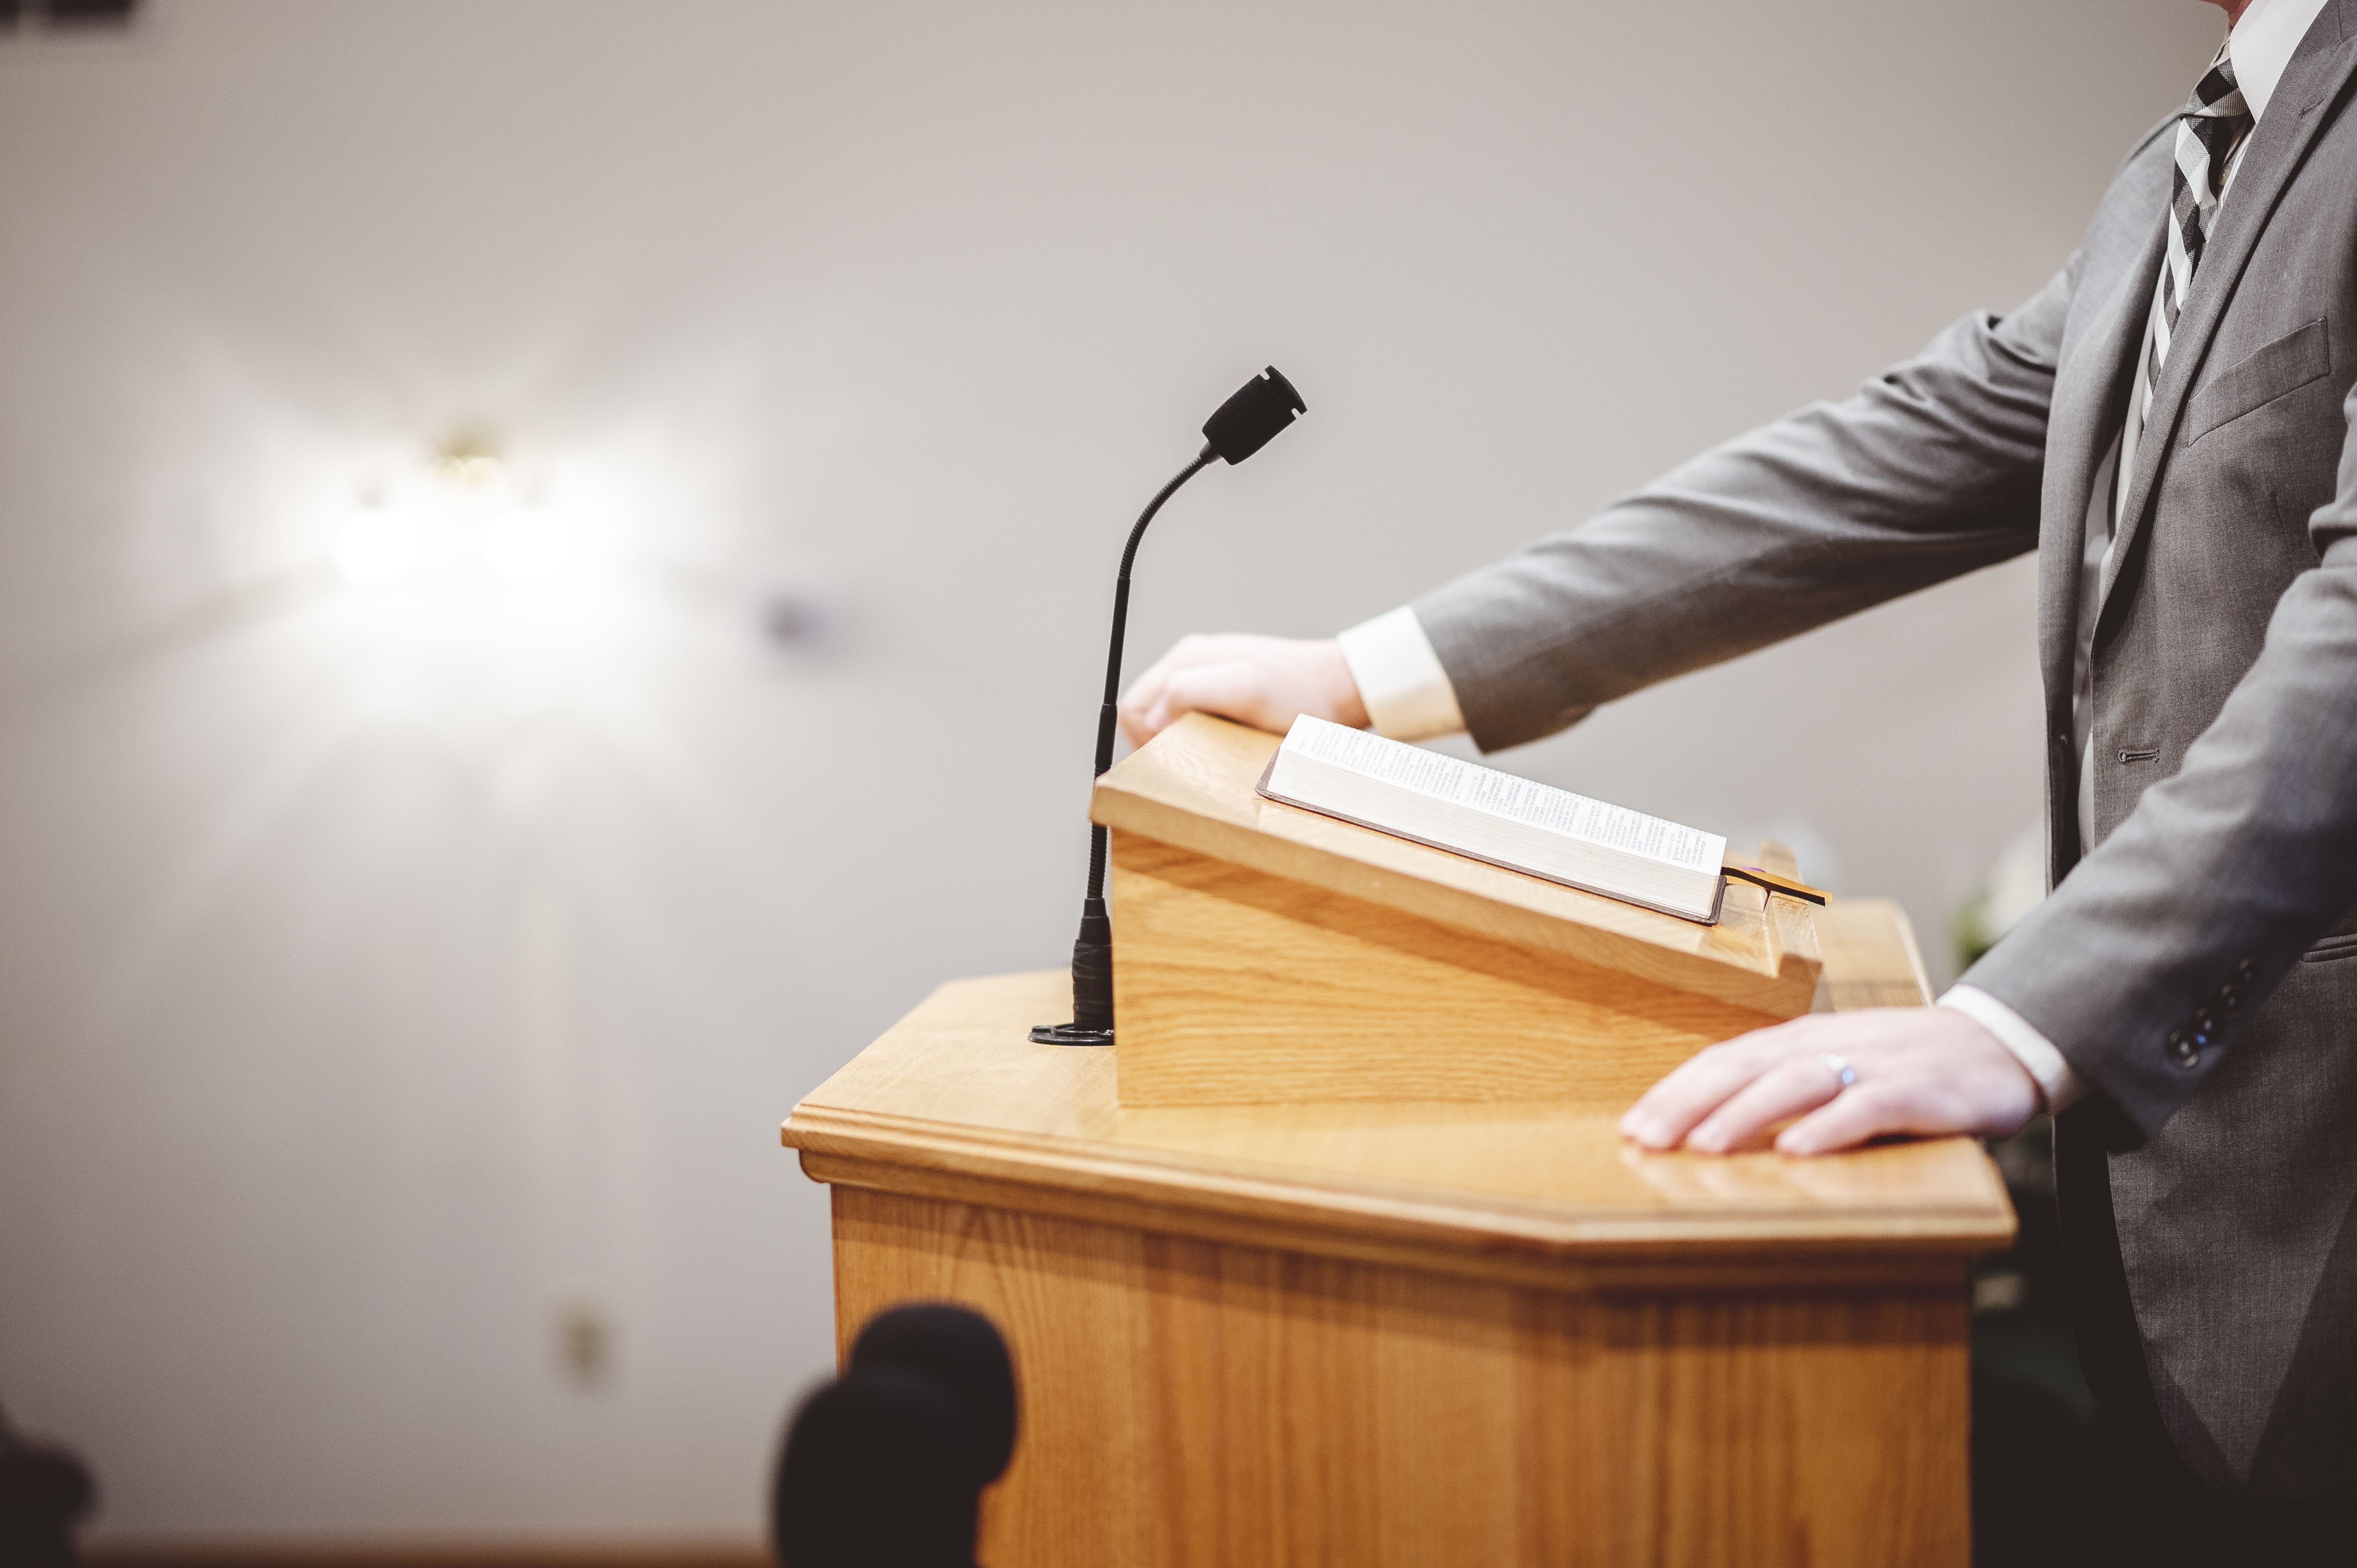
(2257, 831)
(1932, 469)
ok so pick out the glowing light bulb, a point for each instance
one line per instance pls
(375, 547)
(473, 471)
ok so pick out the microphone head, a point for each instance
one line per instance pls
(877, 1472)
(1262, 406)
(959, 1352)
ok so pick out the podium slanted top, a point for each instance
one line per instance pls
(1193, 788)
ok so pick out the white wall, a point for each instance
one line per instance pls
(380, 972)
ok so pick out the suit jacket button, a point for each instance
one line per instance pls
(2246, 971)
(2184, 1050)
(2230, 997)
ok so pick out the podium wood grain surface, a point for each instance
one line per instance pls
(1270, 954)
(1418, 1333)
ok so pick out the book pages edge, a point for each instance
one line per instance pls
(1718, 885)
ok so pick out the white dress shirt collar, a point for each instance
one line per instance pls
(2262, 45)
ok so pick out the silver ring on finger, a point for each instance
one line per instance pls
(1843, 1074)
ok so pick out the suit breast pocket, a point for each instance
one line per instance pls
(2290, 362)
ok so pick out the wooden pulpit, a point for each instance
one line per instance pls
(1456, 1321)
(1265, 953)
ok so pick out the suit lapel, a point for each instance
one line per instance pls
(2294, 117)
(2091, 397)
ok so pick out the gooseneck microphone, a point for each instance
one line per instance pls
(1238, 428)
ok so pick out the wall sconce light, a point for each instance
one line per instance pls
(464, 524)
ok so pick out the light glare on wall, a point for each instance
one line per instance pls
(531, 547)
(376, 547)
(464, 525)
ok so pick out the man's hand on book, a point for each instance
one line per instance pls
(1263, 681)
(1913, 1069)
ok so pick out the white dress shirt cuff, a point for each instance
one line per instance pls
(1407, 692)
(2055, 1075)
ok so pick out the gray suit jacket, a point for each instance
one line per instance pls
(2195, 964)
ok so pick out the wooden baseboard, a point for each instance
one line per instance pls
(378, 1553)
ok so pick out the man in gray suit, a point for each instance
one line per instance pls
(2167, 423)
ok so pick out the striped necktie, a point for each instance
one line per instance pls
(2210, 128)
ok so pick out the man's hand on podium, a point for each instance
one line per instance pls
(1910, 1069)
(1263, 681)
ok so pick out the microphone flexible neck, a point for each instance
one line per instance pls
(1106, 713)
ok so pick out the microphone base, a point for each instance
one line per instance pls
(1068, 1034)
(1092, 1022)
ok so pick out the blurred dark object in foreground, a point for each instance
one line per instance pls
(877, 1475)
(960, 1352)
(44, 1493)
(884, 1467)
(68, 13)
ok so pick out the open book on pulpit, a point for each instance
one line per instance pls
(1518, 823)
(1266, 952)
